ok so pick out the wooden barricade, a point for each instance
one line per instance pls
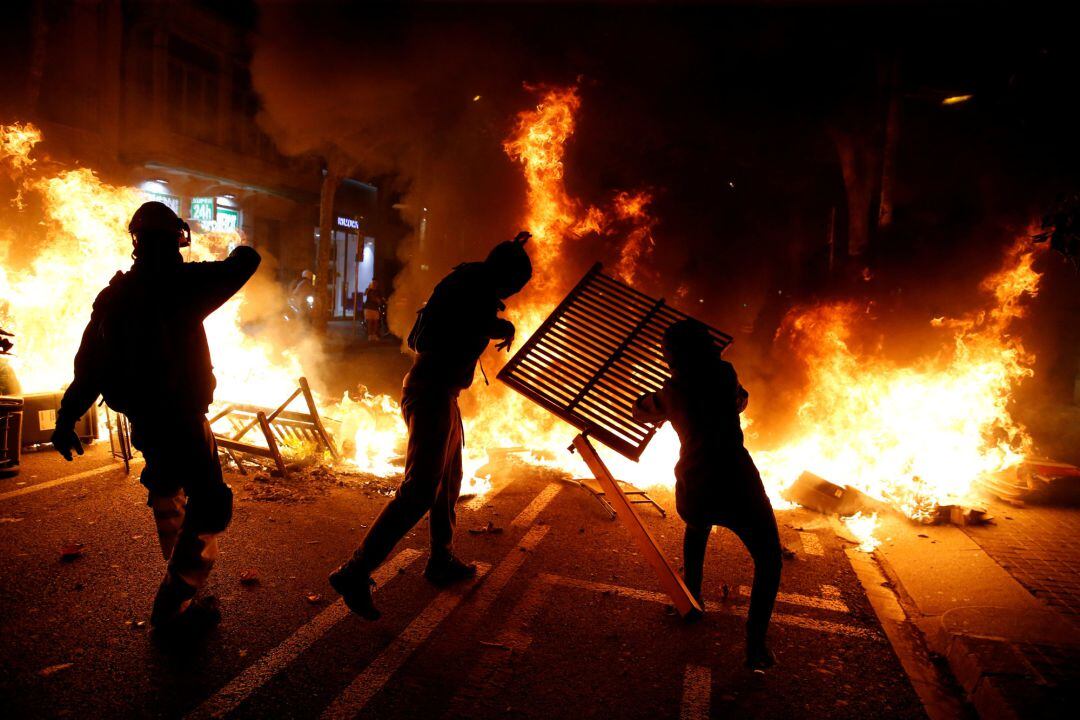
(276, 426)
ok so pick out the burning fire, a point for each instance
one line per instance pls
(863, 527)
(913, 435)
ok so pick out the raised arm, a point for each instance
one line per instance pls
(210, 284)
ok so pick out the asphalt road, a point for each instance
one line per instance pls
(567, 621)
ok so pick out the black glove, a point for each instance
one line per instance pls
(507, 341)
(65, 439)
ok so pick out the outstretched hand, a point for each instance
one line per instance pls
(65, 440)
(506, 342)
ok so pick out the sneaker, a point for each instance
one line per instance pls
(759, 658)
(449, 571)
(200, 617)
(173, 597)
(355, 590)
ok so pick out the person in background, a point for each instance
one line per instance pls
(451, 331)
(373, 302)
(716, 480)
(145, 351)
(302, 295)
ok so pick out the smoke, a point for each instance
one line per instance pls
(415, 104)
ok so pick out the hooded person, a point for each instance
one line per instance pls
(451, 331)
(145, 351)
(716, 482)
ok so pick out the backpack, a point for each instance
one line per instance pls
(126, 328)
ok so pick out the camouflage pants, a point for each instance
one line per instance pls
(191, 503)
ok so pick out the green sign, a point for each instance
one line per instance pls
(202, 209)
(228, 219)
(171, 201)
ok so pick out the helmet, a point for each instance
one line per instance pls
(158, 219)
(511, 265)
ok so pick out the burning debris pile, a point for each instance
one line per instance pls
(916, 437)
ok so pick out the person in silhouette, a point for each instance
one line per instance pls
(716, 480)
(450, 333)
(145, 351)
(373, 302)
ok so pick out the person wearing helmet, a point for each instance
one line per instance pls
(145, 351)
(451, 331)
(302, 295)
(716, 482)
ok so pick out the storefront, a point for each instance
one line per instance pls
(353, 256)
(206, 213)
(352, 248)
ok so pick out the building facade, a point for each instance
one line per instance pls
(159, 96)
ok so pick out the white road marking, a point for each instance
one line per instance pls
(697, 693)
(940, 703)
(375, 675)
(809, 623)
(528, 515)
(811, 544)
(487, 675)
(64, 480)
(487, 592)
(246, 683)
(825, 602)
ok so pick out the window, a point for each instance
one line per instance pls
(192, 90)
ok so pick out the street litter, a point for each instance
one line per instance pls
(489, 529)
(71, 551)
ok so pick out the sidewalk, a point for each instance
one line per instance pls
(1039, 547)
(1013, 655)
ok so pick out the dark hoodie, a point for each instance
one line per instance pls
(145, 348)
(462, 316)
(715, 474)
(456, 324)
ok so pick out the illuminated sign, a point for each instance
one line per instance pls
(171, 201)
(227, 219)
(202, 209)
(347, 222)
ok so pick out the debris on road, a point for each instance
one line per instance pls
(249, 577)
(53, 669)
(71, 551)
(489, 529)
(1036, 481)
(314, 598)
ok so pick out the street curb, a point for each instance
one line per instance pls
(988, 651)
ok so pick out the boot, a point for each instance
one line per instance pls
(173, 597)
(448, 570)
(693, 584)
(759, 657)
(355, 589)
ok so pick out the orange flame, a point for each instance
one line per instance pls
(915, 435)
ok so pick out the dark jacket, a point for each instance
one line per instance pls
(145, 348)
(454, 328)
(715, 475)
